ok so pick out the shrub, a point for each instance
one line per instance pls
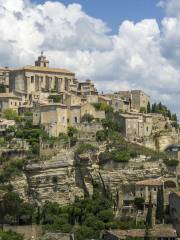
(106, 215)
(171, 162)
(56, 98)
(10, 236)
(87, 118)
(11, 114)
(101, 136)
(84, 148)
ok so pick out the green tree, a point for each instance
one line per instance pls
(56, 98)
(87, 118)
(11, 114)
(149, 214)
(148, 107)
(160, 205)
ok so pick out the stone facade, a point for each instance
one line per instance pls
(136, 125)
(148, 187)
(10, 100)
(4, 77)
(138, 98)
(40, 78)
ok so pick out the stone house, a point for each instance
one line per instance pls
(56, 117)
(120, 105)
(104, 99)
(87, 88)
(136, 125)
(145, 188)
(88, 108)
(92, 98)
(10, 100)
(53, 117)
(138, 98)
(72, 99)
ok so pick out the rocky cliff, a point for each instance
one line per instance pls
(64, 176)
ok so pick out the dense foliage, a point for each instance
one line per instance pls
(171, 162)
(14, 210)
(87, 118)
(10, 236)
(86, 217)
(160, 206)
(56, 98)
(85, 148)
(11, 168)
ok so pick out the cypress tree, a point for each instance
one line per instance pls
(160, 205)
(148, 107)
(149, 214)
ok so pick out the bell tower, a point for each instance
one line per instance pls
(42, 61)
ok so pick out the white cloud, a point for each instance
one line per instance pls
(142, 55)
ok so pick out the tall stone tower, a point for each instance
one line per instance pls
(42, 61)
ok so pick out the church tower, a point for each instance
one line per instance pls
(42, 61)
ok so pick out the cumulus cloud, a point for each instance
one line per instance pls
(144, 55)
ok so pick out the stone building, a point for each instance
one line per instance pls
(87, 88)
(40, 78)
(10, 100)
(53, 117)
(120, 105)
(56, 117)
(139, 100)
(136, 125)
(4, 77)
(143, 189)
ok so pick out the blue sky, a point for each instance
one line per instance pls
(113, 12)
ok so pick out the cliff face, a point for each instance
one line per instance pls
(64, 176)
(162, 140)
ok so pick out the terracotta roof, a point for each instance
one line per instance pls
(46, 69)
(150, 182)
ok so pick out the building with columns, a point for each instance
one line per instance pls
(41, 78)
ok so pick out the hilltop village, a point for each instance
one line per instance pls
(79, 164)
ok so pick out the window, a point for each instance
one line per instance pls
(32, 79)
(154, 188)
(75, 119)
(68, 120)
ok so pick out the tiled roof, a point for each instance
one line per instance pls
(46, 69)
(150, 182)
